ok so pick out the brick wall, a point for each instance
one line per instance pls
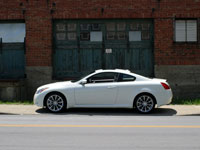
(38, 15)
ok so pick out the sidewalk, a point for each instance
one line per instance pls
(168, 110)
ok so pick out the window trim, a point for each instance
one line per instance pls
(119, 77)
(186, 19)
(114, 81)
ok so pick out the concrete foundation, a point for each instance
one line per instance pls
(184, 80)
(12, 90)
(37, 76)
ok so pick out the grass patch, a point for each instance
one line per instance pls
(186, 101)
(174, 102)
(16, 102)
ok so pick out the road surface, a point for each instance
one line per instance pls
(91, 131)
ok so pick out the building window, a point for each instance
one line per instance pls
(110, 26)
(71, 27)
(110, 35)
(186, 31)
(96, 27)
(85, 27)
(60, 27)
(71, 36)
(12, 32)
(85, 36)
(61, 36)
(134, 26)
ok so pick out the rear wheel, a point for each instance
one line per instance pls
(144, 103)
(55, 102)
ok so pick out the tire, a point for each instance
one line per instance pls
(144, 103)
(55, 102)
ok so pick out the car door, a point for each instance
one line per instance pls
(100, 89)
(127, 89)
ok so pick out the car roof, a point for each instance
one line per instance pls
(139, 77)
(113, 70)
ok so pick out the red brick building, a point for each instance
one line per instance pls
(66, 38)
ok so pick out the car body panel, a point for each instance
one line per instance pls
(96, 94)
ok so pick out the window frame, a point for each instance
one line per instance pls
(186, 19)
(120, 76)
(106, 80)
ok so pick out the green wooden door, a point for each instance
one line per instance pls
(82, 46)
(12, 61)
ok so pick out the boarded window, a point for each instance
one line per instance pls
(191, 30)
(96, 36)
(186, 30)
(12, 32)
(135, 36)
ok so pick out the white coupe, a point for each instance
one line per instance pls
(105, 89)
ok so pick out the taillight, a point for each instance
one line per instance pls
(166, 87)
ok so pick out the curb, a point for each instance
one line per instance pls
(167, 110)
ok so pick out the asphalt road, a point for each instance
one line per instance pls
(91, 132)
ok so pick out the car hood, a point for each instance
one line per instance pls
(56, 85)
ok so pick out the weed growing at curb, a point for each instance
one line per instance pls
(174, 102)
(186, 101)
(16, 102)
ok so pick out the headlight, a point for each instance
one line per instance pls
(41, 90)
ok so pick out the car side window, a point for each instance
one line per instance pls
(126, 77)
(103, 77)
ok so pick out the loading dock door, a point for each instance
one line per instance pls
(82, 46)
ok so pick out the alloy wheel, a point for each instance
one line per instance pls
(145, 104)
(55, 103)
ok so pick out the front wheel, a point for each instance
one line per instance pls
(55, 103)
(144, 103)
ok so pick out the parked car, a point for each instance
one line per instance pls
(105, 89)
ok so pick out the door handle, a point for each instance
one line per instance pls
(111, 87)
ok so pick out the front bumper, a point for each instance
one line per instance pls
(38, 99)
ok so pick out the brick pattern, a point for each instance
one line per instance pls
(38, 15)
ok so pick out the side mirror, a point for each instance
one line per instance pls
(83, 82)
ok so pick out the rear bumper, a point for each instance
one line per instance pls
(164, 98)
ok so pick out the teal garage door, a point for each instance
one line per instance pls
(82, 46)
